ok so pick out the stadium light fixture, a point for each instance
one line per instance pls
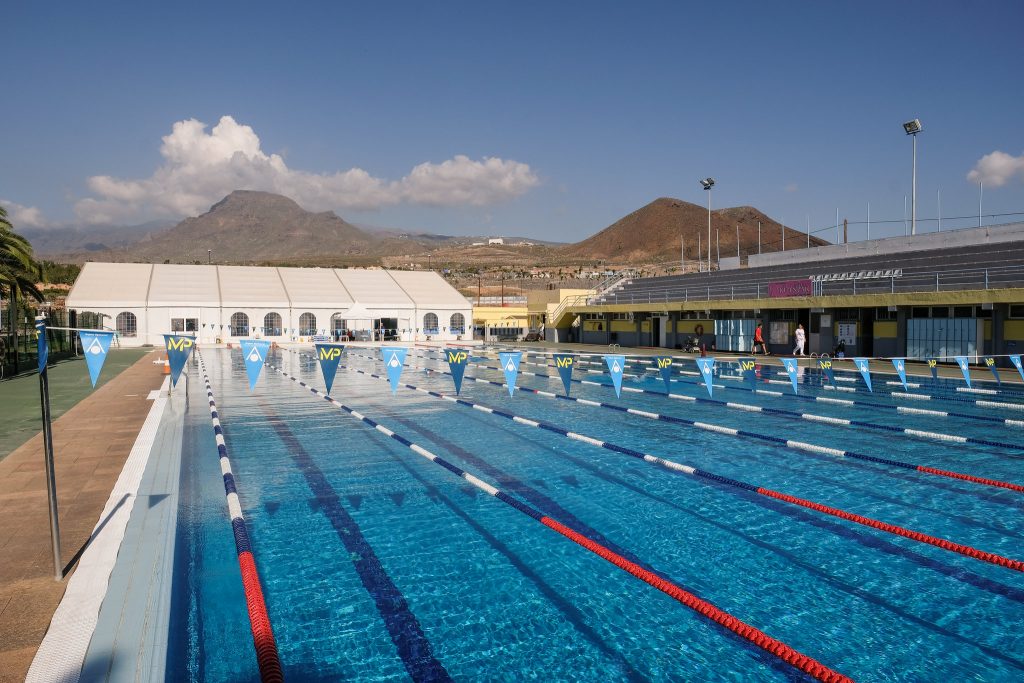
(913, 128)
(708, 183)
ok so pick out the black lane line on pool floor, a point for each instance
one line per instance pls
(414, 648)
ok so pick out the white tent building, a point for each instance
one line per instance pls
(224, 303)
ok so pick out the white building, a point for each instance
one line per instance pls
(224, 303)
(496, 240)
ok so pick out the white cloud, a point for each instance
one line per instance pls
(997, 169)
(201, 167)
(23, 216)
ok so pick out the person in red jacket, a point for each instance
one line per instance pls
(759, 340)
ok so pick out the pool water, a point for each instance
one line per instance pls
(378, 565)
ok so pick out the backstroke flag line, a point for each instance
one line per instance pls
(791, 367)
(394, 361)
(865, 372)
(664, 364)
(254, 353)
(1017, 364)
(510, 366)
(825, 365)
(178, 347)
(901, 370)
(95, 346)
(457, 359)
(706, 367)
(329, 356)
(990, 363)
(616, 366)
(962, 362)
(564, 362)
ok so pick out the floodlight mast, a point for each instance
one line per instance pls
(912, 128)
(708, 183)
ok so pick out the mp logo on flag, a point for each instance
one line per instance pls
(863, 365)
(990, 363)
(825, 365)
(509, 361)
(254, 353)
(95, 346)
(565, 363)
(933, 365)
(664, 364)
(707, 367)
(748, 369)
(616, 366)
(329, 356)
(791, 370)
(901, 370)
(394, 362)
(179, 348)
(457, 360)
(964, 369)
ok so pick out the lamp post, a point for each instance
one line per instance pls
(708, 183)
(913, 128)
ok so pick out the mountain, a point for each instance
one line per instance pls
(55, 243)
(653, 233)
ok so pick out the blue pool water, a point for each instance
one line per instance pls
(378, 565)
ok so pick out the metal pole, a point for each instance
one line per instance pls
(709, 229)
(808, 230)
(51, 484)
(981, 195)
(759, 237)
(718, 249)
(700, 257)
(869, 220)
(682, 255)
(839, 235)
(906, 228)
(938, 199)
(783, 226)
(737, 240)
(913, 190)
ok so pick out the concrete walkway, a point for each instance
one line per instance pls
(91, 443)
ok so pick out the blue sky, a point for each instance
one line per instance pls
(587, 110)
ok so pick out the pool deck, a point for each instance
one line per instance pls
(91, 443)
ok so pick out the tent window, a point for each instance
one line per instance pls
(272, 325)
(126, 324)
(338, 324)
(239, 324)
(457, 324)
(430, 323)
(307, 324)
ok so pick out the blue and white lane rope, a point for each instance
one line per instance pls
(776, 647)
(262, 632)
(952, 546)
(788, 443)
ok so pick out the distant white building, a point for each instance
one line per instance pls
(223, 303)
(496, 240)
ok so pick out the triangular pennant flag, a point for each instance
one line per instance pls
(825, 365)
(990, 363)
(791, 368)
(616, 366)
(933, 365)
(901, 370)
(1017, 364)
(43, 346)
(664, 364)
(394, 362)
(329, 356)
(509, 361)
(865, 372)
(254, 353)
(962, 362)
(95, 346)
(706, 367)
(179, 348)
(564, 362)
(457, 359)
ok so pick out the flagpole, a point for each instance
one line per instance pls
(51, 484)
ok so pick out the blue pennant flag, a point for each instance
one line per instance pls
(329, 356)
(990, 363)
(1016, 363)
(179, 348)
(706, 367)
(616, 366)
(43, 346)
(564, 362)
(95, 346)
(664, 364)
(254, 353)
(962, 362)
(825, 365)
(791, 368)
(457, 359)
(933, 365)
(394, 362)
(901, 369)
(865, 372)
(747, 367)
(510, 366)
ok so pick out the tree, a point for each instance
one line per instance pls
(18, 271)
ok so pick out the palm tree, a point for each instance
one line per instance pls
(18, 272)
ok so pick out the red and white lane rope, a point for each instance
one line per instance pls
(262, 632)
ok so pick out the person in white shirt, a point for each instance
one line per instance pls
(800, 339)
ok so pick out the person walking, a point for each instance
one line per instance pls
(759, 341)
(801, 338)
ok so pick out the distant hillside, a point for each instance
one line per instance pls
(653, 232)
(83, 240)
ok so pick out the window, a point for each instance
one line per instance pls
(339, 325)
(184, 324)
(239, 324)
(430, 323)
(940, 311)
(963, 311)
(307, 324)
(272, 325)
(126, 324)
(1016, 311)
(919, 312)
(457, 324)
(981, 312)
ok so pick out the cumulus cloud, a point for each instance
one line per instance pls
(997, 169)
(23, 216)
(201, 167)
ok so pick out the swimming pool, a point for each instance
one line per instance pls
(379, 565)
